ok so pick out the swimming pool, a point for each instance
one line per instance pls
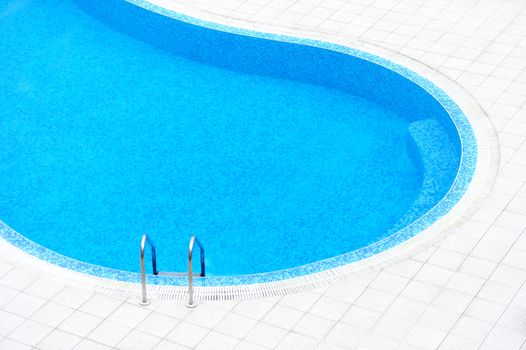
(284, 156)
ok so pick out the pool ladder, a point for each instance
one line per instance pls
(147, 240)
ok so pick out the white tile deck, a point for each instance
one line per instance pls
(465, 292)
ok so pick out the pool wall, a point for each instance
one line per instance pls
(308, 61)
(270, 55)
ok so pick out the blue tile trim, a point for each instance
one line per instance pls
(457, 190)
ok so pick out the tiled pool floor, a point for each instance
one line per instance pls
(465, 292)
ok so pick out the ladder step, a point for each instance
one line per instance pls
(178, 274)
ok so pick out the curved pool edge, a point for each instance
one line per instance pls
(454, 208)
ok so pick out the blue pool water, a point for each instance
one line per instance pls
(117, 121)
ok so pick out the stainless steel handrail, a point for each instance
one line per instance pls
(145, 239)
(193, 239)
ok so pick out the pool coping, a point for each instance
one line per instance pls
(483, 177)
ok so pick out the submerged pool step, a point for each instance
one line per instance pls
(425, 145)
(178, 274)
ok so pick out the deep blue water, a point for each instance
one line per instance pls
(105, 136)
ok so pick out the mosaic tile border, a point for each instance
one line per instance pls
(458, 189)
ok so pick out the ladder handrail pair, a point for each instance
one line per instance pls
(147, 240)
